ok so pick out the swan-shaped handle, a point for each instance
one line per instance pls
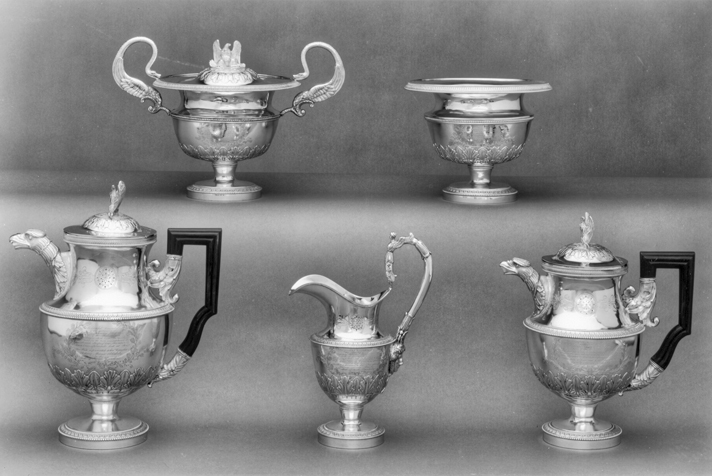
(398, 347)
(320, 92)
(136, 87)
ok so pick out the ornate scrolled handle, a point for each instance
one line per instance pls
(136, 87)
(398, 347)
(320, 92)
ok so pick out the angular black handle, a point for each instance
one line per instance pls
(211, 238)
(684, 261)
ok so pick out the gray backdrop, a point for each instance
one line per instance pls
(630, 104)
(630, 81)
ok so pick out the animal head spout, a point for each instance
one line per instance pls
(514, 265)
(29, 240)
(37, 241)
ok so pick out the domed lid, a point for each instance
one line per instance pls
(111, 228)
(585, 259)
(226, 74)
(477, 86)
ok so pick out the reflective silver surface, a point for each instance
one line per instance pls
(225, 114)
(584, 335)
(353, 359)
(106, 330)
(478, 122)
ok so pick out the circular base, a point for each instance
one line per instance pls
(601, 435)
(238, 191)
(493, 194)
(332, 434)
(88, 434)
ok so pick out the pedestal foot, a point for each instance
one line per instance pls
(237, 191)
(595, 436)
(334, 435)
(89, 434)
(494, 193)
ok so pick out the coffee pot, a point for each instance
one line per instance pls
(226, 113)
(106, 330)
(584, 333)
(352, 357)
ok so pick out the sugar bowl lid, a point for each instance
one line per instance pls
(477, 86)
(226, 74)
(110, 228)
(585, 259)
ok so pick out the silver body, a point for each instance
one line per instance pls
(226, 123)
(106, 330)
(584, 336)
(480, 123)
(353, 359)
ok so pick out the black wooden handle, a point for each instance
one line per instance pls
(684, 261)
(211, 238)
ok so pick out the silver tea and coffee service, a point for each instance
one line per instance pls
(478, 122)
(584, 334)
(106, 330)
(353, 359)
(226, 113)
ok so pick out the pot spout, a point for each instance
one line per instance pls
(58, 263)
(541, 287)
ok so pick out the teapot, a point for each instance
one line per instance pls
(226, 113)
(353, 359)
(584, 334)
(106, 330)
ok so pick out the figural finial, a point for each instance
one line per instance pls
(586, 227)
(113, 223)
(225, 67)
(117, 196)
(585, 252)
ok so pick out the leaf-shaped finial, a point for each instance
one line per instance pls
(586, 227)
(116, 196)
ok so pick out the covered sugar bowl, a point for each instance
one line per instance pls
(584, 334)
(478, 122)
(106, 330)
(226, 114)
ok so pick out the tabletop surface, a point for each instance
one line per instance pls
(465, 401)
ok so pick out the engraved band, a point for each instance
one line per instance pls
(105, 316)
(607, 334)
(342, 343)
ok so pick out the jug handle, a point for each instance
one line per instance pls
(320, 92)
(398, 346)
(136, 87)
(683, 261)
(211, 238)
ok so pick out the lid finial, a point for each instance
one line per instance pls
(117, 196)
(585, 252)
(586, 228)
(113, 223)
(225, 67)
